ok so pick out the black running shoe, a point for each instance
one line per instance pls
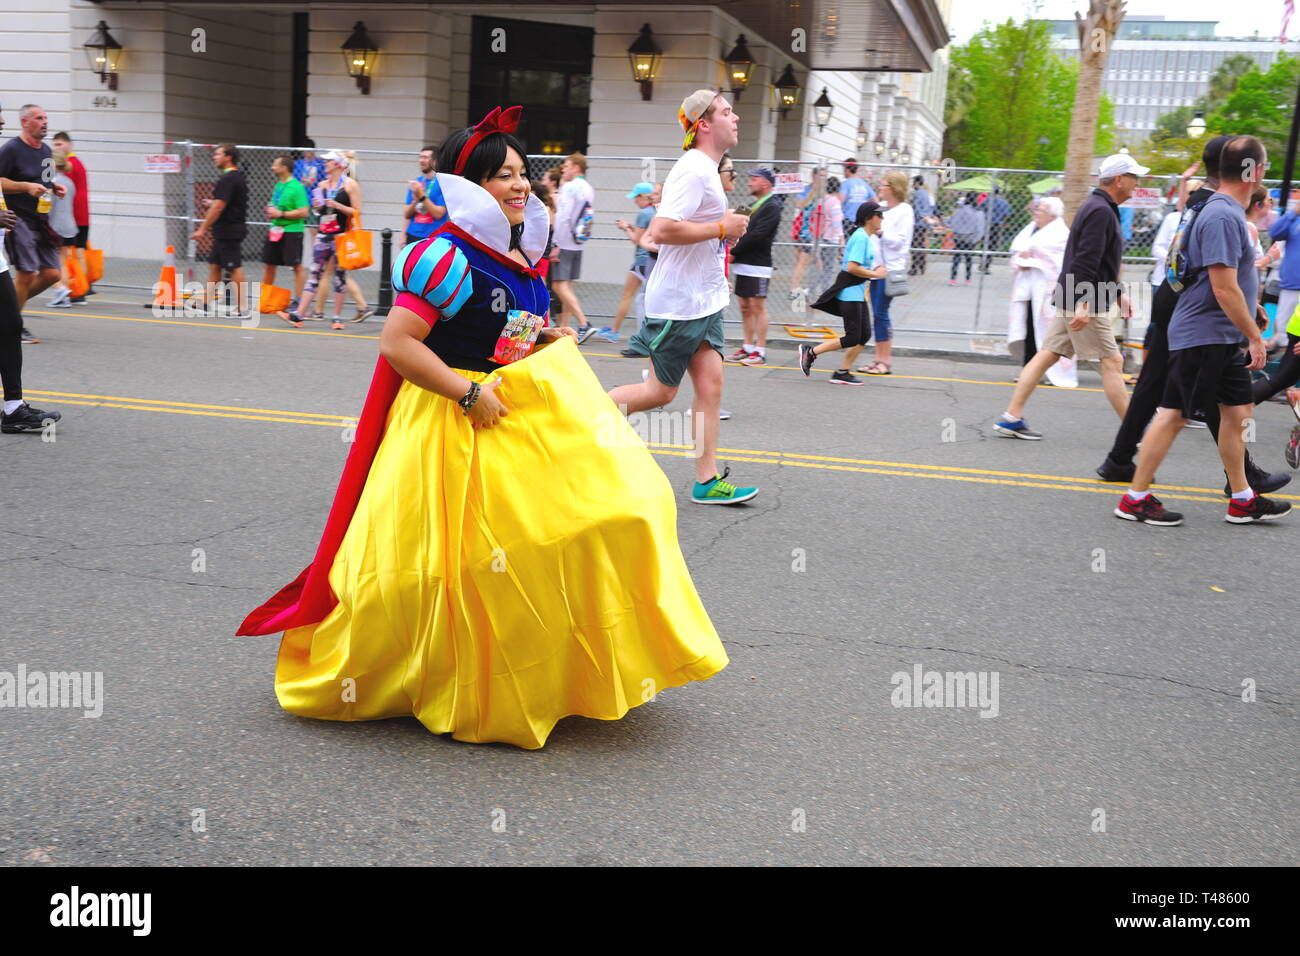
(806, 358)
(1292, 451)
(1257, 508)
(1147, 511)
(28, 338)
(842, 377)
(586, 332)
(26, 418)
(1261, 482)
(1111, 470)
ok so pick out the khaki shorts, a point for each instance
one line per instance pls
(1096, 340)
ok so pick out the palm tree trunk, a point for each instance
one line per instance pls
(1096, 36)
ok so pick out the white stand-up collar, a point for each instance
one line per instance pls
(472, 208)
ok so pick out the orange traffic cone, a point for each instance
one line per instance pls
(165, 288)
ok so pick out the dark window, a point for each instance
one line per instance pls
(544, 67)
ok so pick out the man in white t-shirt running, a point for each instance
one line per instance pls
(687, 290)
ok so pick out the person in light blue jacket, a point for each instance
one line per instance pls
(1286, 229)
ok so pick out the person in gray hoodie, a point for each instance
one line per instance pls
(968, 226)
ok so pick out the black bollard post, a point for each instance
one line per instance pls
(385, 274)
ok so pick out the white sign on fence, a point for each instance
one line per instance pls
(789, 183)
(162, 163)
(1145, 197)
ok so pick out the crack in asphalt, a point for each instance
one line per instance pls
(749, 514)
(1033, 668)
(137, 575)
(258, 522)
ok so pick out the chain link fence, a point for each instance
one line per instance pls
(147, 195)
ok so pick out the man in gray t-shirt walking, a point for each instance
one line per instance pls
(1215, 312)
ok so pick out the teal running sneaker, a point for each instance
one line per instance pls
(719, 491)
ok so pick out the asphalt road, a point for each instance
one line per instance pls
(1119, 690)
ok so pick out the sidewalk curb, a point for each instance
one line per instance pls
(981, 358)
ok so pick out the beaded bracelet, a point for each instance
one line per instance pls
(468, 400)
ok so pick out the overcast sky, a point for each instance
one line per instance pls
(1249, 16)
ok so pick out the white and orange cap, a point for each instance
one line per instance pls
(692, 111)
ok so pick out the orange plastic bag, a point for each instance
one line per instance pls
(94, 263)
(273, 299)
(355, 248)
(77, 282)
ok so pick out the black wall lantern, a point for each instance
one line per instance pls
(740, 66)
(644, 56)
(104, 54)
(785, 91)
(360, 51)
(822, 110)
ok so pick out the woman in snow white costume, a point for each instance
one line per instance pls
(502, 549)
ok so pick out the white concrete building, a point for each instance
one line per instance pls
(273, 73)
(1158, 65)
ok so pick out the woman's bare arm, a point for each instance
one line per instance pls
(401, 341)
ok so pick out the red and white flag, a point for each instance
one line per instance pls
(1288, 8)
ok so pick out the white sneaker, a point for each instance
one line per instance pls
(62, 299)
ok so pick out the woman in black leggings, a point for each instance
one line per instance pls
(18, 416)
(1287, 374)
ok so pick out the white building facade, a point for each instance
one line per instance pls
(1157, 65)
(274, 74)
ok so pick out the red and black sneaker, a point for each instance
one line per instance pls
(1257, 508)
(1148, 511)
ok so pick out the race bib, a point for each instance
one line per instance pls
(274, 233)
(518, 337)
(329, 224)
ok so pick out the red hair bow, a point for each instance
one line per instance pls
(498, 121)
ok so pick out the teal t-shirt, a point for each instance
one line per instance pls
(858, 250)
(289, 195)
(643, 219)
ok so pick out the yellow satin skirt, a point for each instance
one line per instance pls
(494, 581)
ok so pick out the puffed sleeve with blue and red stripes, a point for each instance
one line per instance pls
(432, 272)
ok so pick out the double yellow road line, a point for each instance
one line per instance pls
(276, 327)
(868, 466)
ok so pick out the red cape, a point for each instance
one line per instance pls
(308, 598)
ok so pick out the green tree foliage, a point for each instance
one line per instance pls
(1008, 88)
(1173, 125)
(1224, 80)
(1242, 99)
(1261, 105)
